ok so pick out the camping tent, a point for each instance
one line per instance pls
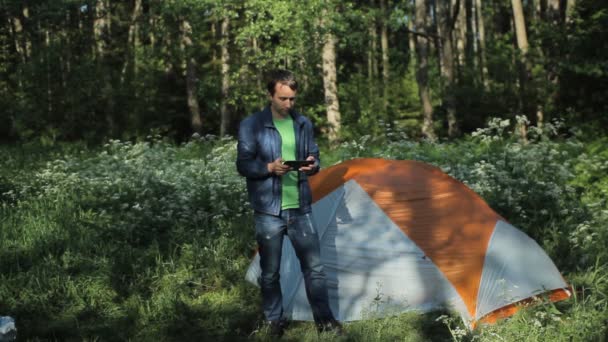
(402, 235)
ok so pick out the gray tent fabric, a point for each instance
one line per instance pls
(510, 277)
(8, 331)
(373, 268)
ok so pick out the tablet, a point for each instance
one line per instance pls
(296, 164)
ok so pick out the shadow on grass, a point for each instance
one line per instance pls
(405, 327)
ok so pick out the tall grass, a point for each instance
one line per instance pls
(150, 241)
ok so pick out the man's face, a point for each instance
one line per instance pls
(283, 100)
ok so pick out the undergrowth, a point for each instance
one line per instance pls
(151, 240)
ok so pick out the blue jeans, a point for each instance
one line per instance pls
(269, 232)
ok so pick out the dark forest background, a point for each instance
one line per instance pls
(92, 70)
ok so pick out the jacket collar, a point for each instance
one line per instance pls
(267, 117)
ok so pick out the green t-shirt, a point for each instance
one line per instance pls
(290, 194)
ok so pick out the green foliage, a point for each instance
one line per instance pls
(150, 240)
(56, 86)
(128, 242)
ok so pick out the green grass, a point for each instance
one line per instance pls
(150, 241)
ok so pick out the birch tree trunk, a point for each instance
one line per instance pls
(373, 41)
(435, 31)
(132, 42)
(17, 30)
(27, 43)
(370, 48)
(101, 27)
(461, 33)
(553, 10)
(191, 78)
(569, 9)
(385, 60)
(522, 44)
(520, 27)
(151, 28)
(482, 44)
(23, 45)
(447, 60)
(422, 72)
(330, 85)
(101, 33)
(47, 61)
(411, 37)
(470, 35)
(225, 57)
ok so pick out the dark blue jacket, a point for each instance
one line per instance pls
(259, 144)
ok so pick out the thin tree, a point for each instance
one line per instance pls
(445, 28)
(422, 45)
(385, 59)
(522, 44)
(133, 42)
(461, 33)
(225, 58)
(330, 80)
(373, 45)
(23, 45)
(482, 44)
(570, 4)
(191, 78)
(18, 37)
(101, 33)
(101, 27)
(470, 35)
(554, 10)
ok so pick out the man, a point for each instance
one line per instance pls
(281, 198)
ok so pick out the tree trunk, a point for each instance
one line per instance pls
(520, 27)
(65, 58)
(482, 44)
(374, 41)
(522, 44)
(151, 27)
(447, 60)
(461, 33)
(330, 86)
(214, 39)
(27, 43)
(225, 57)
(385, 60)
(569, 9)
(132, 42)
(21, 41)
(422, 72)
(370, 54)
(101, 27)
(470, 35)
(101, 33)
(435, 31)
(553, 11)
(411, 37)
(191, 78)
(47, 61)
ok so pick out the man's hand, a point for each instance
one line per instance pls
(309, 168)
(278, 168)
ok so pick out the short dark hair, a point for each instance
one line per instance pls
(281, 76)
